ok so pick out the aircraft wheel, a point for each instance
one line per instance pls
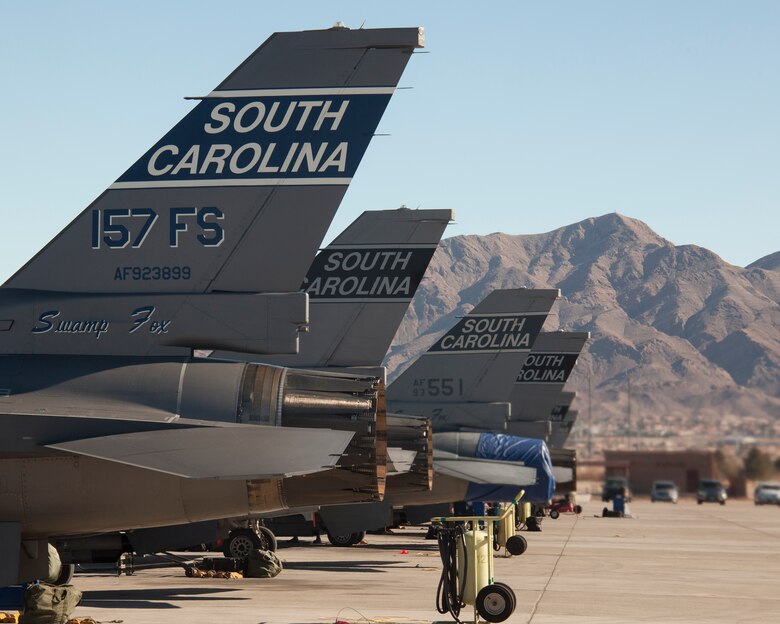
(240, 543)
(554, 513)
(516, 545)
(66, 574)
(267, 538)
(495, 603)
(348, 539)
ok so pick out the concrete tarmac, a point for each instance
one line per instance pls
(669, 563)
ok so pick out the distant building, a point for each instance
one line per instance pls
(685, 468)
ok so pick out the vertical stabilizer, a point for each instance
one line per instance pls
(238, 195)
(478, 359)
(360, 287)
(538, 385)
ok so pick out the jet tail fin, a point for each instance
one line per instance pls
(249, 179)
(537, 389)
(360, 287)
(478, 359)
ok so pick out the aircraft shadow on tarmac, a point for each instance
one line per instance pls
(153, 598)
(343, 566)
(412, 546)
(430, 546)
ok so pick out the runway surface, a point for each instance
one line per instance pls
(670, 563)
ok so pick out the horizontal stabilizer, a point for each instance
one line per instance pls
(563, 474)
(227, 452)
(399, 460)
(485, 470)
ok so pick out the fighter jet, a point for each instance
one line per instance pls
(108, 422)
(360, 287)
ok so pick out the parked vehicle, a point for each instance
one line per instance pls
(564, 505)
(664, 491)
(613, 486)
(711, 491)
(767, 493)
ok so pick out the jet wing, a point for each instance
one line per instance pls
(485, 471)
(226, 452)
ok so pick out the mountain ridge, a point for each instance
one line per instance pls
(694, 334)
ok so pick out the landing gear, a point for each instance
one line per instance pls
(349, 539)
(267, 537)
(65, 577)
(240, 543)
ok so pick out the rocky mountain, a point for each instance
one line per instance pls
(770, 262)
(694, 340)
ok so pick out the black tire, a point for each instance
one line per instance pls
(511, 594)
(516, 545)
(698, 502)
(240, 542)
(267, 538)
(350, 539)
(578, 509)
(495, 603)
(554, 513)
(66, 574)
(722, 502)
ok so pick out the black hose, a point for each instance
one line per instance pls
(449, 595)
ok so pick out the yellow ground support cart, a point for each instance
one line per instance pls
(467, 564)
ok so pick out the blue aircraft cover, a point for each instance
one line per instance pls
(532, 452)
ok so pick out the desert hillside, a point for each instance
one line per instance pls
(693, 339)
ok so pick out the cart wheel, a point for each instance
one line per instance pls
(516, 545)
(554, 513)
(511, 594)
(578, 509)
(240, 543)
(495, 603)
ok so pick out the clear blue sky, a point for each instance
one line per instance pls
(524, 116)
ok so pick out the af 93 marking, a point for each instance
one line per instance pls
(118, 228)
(152, 273)
(435, 387)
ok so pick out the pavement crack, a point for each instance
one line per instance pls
(552, 573)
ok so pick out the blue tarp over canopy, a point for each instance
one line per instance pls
(533, 453)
